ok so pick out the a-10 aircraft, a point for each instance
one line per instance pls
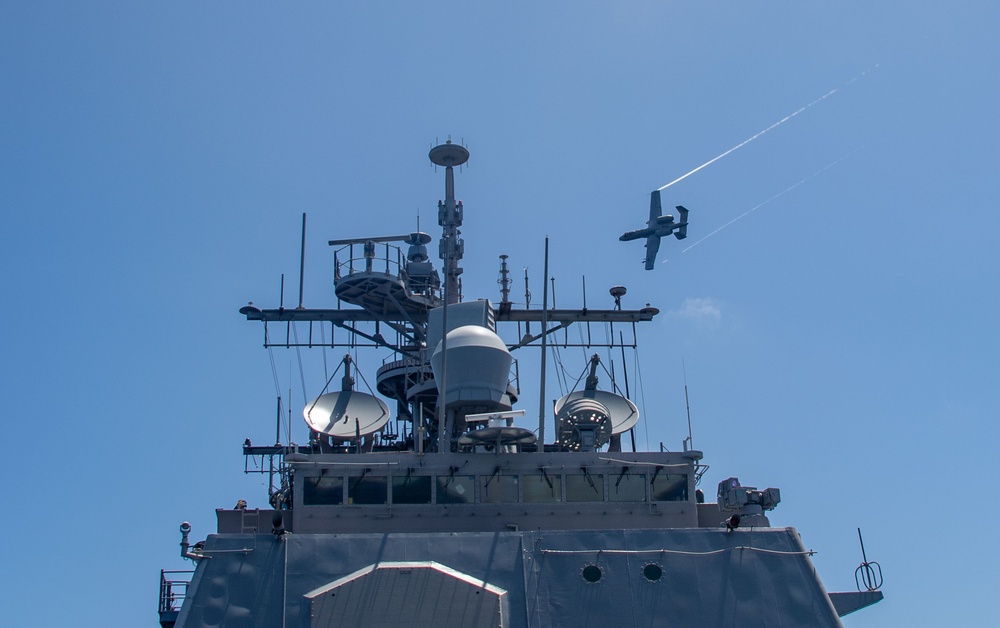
(659, 226)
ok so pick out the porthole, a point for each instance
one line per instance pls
(652, 572)
(592, 574)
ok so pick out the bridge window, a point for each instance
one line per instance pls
(669, 487)
(411, 489)
(627, 487)
(456, 489)
(323, 491)
(367, 489)
(542, 488)
(584, 487)
(498, 488)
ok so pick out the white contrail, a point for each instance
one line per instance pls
(756, 207)
(750, 139)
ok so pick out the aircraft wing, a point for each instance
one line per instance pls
(652, 246)
(655, 211)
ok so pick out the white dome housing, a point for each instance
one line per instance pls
(478, 367)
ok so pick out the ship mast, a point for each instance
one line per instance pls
(450, 217)
(451, 249)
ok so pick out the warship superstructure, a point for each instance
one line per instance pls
(463, 518)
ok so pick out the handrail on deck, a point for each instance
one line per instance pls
(173, 588)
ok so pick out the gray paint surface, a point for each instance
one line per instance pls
(710, 577)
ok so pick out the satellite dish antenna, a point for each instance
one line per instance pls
(346, 414)
(583, 424)
(621, 411)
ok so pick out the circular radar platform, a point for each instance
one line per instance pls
(449, 154)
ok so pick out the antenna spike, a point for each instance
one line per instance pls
(302, 261)
(689, 443)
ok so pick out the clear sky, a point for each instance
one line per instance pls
(839, 341)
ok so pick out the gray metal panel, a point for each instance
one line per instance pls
(707, 580)
(851, 601)
(418, 595)
(315, 560)
(239, 585)
(710, 577)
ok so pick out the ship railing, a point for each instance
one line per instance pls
(412, 366)
(173, 589)
(390, 261)
(415, 367)
(379, 257)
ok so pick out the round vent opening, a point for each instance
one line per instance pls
(592, 574)
(652, 572)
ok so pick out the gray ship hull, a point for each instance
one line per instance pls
(706, 577)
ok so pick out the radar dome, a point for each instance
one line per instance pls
(478, 367)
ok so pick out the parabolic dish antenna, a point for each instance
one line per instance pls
(346, 414)
(623, 413)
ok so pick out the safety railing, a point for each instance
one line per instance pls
(173, 589)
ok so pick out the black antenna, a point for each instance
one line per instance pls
(302, 261)
(504, 280)
(867, 573)
(689, 441)
(527, 302)
(281, 306)
(277, 423)
(545, 325)
(621, 344)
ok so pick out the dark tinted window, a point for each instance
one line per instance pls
(322, 491)
(367, 489)
(413, 489)
(584, 487)
(627, 487)
(499, 488)
(542, 488)
(456, 489)
(669, 487)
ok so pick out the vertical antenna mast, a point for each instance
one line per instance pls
(450, 218)
(527, 302)
(545, 325)
(689, 442)
(302, 261)
(504, 280)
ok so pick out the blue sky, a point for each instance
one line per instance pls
(839, 341)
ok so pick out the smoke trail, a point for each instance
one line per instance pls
(750, 139)
(779, 122)
(781, 193)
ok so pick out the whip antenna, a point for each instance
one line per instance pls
(689, 441)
